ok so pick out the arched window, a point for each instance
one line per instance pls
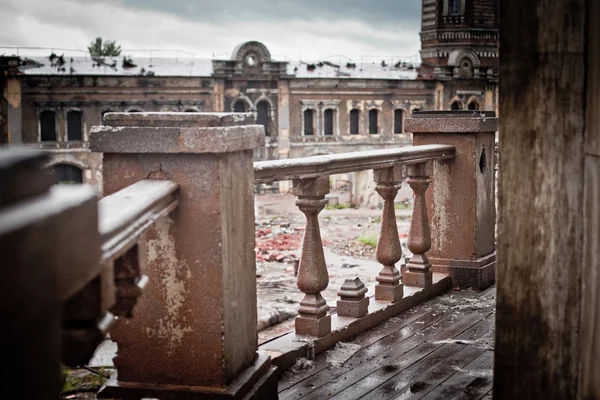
(454, 7)
(75, 125)
(373, 121)
(240, 106)
(398, 121)
(263, 111)
(309, 121)
(455, 106)
(328, 117)
(67, 174)
(354, 117)
(48, 126)
(474, 106)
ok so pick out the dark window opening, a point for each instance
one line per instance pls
(328, 122)
(191, 110)
(240, 106)
(473, 106)
(354, 114)
(67, 174)
(454, 7)
(308, 123)
(134, 111)
(48, 126)
(455, 106)
(398, 121)
(263, 111)
(373, 121)
(74, 125)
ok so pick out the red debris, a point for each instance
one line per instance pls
(270, 247)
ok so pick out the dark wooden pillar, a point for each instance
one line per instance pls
(547, 339)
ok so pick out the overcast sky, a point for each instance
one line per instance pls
(296, 29)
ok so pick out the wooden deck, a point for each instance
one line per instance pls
(442, 349)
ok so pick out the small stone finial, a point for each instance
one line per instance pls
(353, 302)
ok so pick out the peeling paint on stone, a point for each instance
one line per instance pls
(441, 195)
(162, 256)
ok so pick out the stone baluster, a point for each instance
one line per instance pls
(418, 270)
(389, 252)
(313, 278)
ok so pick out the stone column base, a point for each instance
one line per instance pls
(312, 326)
(418, 279)
(389, 293)
(353, 308)
(259, 381)
(478, 274)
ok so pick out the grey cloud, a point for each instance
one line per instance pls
(405, 13)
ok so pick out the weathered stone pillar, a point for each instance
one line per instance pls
(195, 326)
(461, 199)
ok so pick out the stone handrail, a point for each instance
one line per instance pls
(76, 263)
(311, 184)
(127, 214)
(311, 167)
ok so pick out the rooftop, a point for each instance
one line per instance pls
(202, 67)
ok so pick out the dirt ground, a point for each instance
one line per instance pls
(349, 237)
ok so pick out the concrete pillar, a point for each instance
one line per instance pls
(12, 93)
(461, 199)
(218, 104)
(194, 330)
(283, 122)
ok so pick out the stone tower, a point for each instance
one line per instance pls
(459, 48)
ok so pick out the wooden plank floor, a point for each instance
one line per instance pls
(442, 349)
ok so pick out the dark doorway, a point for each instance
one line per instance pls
(48, 126)
(329, 122)
(354, 118)
(456, 106)
(263, 110)
(67, 174)
(74, 125)
(398, 121)
(309, 123)
(373, 121)
(240, 106)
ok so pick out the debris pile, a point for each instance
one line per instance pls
(271, 246)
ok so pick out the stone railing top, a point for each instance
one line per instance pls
(310, 167)
(178, 119)
(451, 122)
(20, 176)
(164, 133)
(126, 214)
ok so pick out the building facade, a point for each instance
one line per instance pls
(306, 108)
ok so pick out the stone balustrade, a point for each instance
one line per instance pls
(310, 176)
(177, 223)
(450, 170)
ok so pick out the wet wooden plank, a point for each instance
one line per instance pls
(400, 355)
(471, 382)
(373, 345)
(428, 372)
(370, 341)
